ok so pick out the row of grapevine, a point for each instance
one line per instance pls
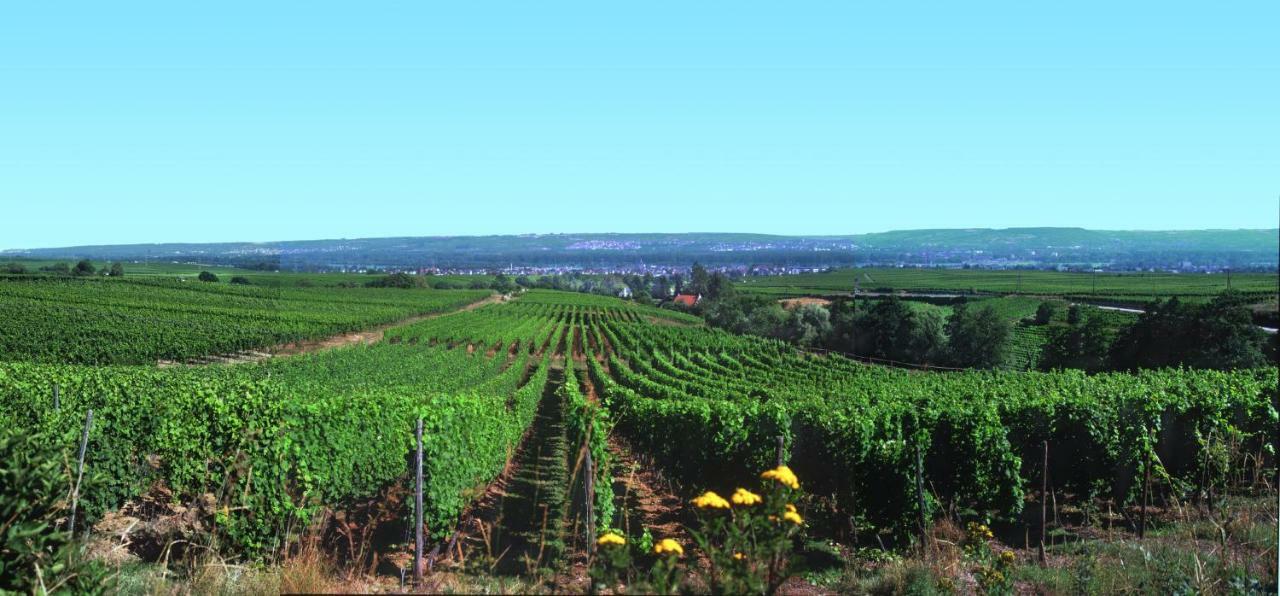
(143, 321)
(709, 405)
(283, 439)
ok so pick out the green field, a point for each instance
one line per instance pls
(1118, 287)
(284, 442)
(137, 320)
(184, 271)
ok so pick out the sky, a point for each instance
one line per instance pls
(130, 122)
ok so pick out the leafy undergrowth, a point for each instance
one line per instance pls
(1230, 551)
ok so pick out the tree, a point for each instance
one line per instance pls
(241, 280)
(207, 276)
(698, 279)
(1227, 336)
(718, 287)
(661, 288)
(84, 267)
(503, 284)
(398, 280)
(977, 337)
(928, 341)
(1073, 315)
(808, 325)
(117, 269)
(1077, 346)
(15, 268)
(59, 268)
(883, 331)
(1218, 335)
(1044, 313)
(844, 313)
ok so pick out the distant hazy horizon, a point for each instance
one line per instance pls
(143, 122)
(644, 233)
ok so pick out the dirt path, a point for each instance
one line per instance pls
(517, 526)
(367, 336)
(645, 499)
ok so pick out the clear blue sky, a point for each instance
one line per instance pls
(130, 122)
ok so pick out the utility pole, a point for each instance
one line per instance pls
(417, 509)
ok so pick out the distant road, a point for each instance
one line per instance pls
(1139, 311)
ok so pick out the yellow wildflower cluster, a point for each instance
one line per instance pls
(783, 475)
(668, 546)
(1007, 557)
(710, 500)
(746, 498)
(978, 531)
(790, 515)
(989, 577)
(610, 539)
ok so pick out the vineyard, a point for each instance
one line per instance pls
(1134, 288)
(282, 445)
(142, 321)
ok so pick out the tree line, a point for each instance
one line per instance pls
(1219, 334)
(84, 268)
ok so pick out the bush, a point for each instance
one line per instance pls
(978, 337)
(15, 268)
(84, 267)
(1044, 313)
(209, 277)
(398, 280)
(241, 280)
(36, 555)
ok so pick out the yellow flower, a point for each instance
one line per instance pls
(1007, 557)
(783, 475)
(667, 545)
(791, 508)
(746, 498)
(609, 538)
(738, 556)
(793, 517)
(710, 500)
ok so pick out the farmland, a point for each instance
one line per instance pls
(276, 451)
(136, 321)
(1134, 288)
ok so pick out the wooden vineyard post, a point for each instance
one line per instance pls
(1146, 486)
(1044, 499)
(588, 494)
(417, 510)
(75, 492)
(780, 452)
(924, 532)
(57, 402)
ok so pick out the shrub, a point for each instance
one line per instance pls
(209, 277)
(84, 267)
(1044, 313)
(398, 280)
